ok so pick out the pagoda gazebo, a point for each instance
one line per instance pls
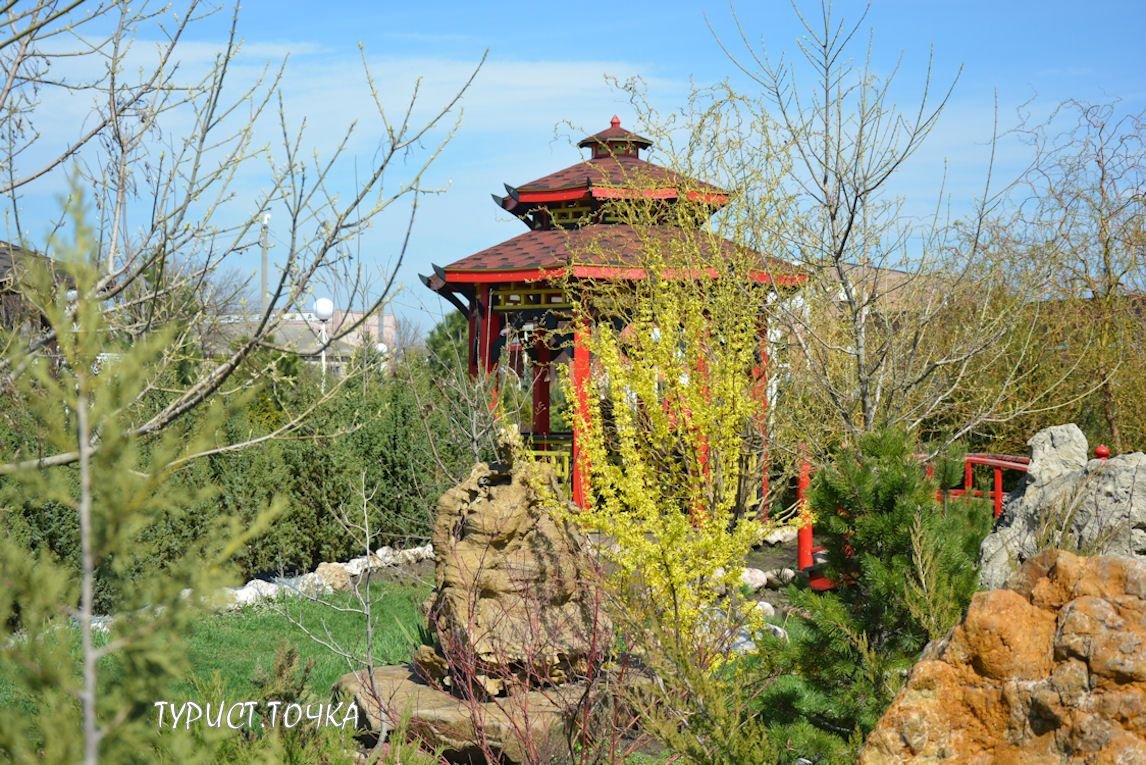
(523, 289)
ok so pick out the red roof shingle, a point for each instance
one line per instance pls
(613, 245)
(615, 171)
(612, 135)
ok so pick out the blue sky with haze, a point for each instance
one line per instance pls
(548, 63)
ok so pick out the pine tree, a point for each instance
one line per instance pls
(904, 570)
(68, 672)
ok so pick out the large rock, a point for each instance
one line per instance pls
(1092, 506)
(514, 589)
(1053, 670)
(515, 615)
(526, 727)
(335, 575)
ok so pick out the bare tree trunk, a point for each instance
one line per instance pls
(1110, 414)
(87, 570)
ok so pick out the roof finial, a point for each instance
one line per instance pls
(616, 121)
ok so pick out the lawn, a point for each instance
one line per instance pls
(238, 645)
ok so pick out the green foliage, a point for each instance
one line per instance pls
(395, 428)
(113, 507)
(446, 344)
(905, 569)
(392, 432)
(717, 723)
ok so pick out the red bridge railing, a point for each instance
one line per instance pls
(999, 462)
(806, 551)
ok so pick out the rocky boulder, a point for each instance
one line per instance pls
(1052, 670)
(513, 586)
(1066, 501)
(335, 575)
(528, 727)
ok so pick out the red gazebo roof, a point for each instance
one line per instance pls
(614, 171)
(613, 136)
(573, 233)
(612, 250)
(611, 178)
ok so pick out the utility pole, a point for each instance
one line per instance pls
(264, 245)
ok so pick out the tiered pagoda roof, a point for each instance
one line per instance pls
(594, 251)
(572, 231)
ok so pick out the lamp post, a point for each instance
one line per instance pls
(323, 310)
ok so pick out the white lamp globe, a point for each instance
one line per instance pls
(324, 309)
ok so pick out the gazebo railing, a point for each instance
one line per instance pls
(554, 448)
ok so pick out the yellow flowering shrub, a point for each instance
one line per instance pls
(668, 430)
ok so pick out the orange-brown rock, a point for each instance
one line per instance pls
(1051, 670)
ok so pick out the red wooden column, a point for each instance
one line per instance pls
(760, 390)
(489, 328)
(581, 391)
(542, 356)
(804, 557)
(998, 494)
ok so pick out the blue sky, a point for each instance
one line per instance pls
(548, 64)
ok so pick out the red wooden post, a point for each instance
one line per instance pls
(998, 491)
(760, 391)
(968, 478)
(581, 391)
(804, 536)
(487, 330)
(472, 347)
(542, 355)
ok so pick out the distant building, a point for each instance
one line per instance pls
(15, 312)
(301, 332)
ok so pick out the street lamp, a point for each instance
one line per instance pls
(323, 311)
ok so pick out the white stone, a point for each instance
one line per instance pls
(385, 555)
(780, 577)
(254, 591)
(355, 566)
(1067, 501)
(754, 579)
(777, 631)
(309, 585)
(782, 536)
(765, 609)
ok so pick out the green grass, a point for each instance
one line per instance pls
(238, 644)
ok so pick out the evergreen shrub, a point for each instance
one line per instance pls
(904, 565)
